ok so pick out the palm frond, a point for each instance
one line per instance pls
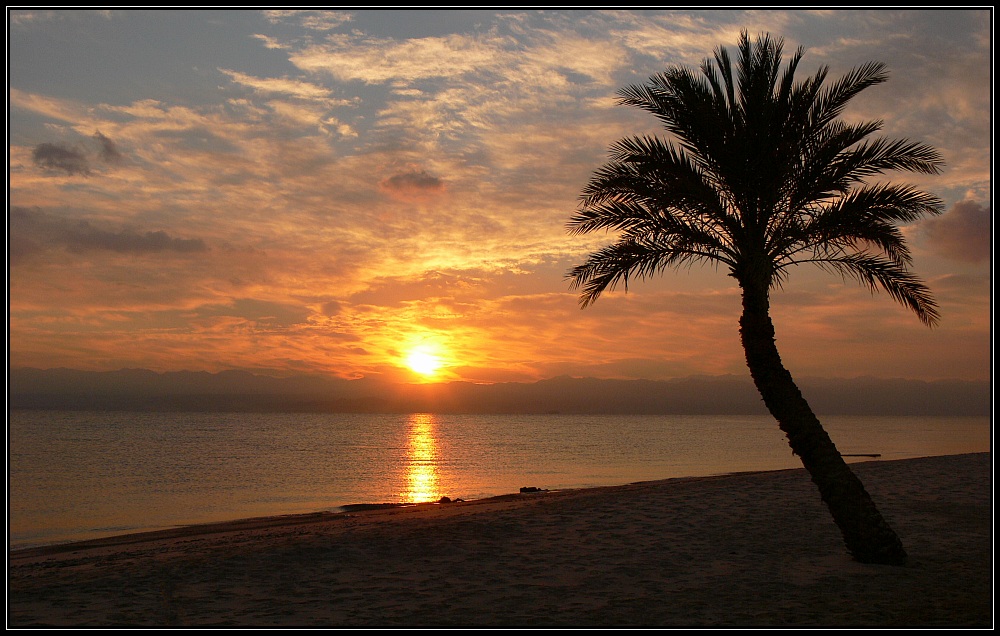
(821, 171)
(660, 183)
(869, 235)
(875, 272)
(760, 175)
(831, 102)
(864, 218)
(891, 202)
(631, 258)
(878, 155)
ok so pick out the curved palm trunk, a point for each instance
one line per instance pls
(867, 535)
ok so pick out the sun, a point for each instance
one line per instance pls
(423, 362)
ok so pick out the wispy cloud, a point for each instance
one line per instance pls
(32, 231)
(354, 58)
(309, 19)
(284, 86)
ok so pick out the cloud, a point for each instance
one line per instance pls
(108, 151)
(380, 60)
(263, 313)
(313, 20)
(84, 236)
(285, 86)
(62, 110)
(61, 158)
(414, 186)
(24, 18)
(32, 231)
(270, 42)
(73, 160)
(961, 234)
(331, 308)
(419, 181)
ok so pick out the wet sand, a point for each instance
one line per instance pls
(744, 550)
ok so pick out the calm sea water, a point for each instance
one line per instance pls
(79, 475)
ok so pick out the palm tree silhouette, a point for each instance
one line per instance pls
(763, 175)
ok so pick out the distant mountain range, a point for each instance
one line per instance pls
(144, 390)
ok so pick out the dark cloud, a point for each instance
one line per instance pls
(84, 236)
(420, 180)
(33, 231)
(962, 233)
(74, 159)
(419, 183)
(331, 308)
(61, 158)
(108, 151)
(264, 313)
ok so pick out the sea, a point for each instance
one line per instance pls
(76, 475)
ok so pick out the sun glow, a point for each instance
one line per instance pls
(424, 361)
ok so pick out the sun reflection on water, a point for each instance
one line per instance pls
(422, 460)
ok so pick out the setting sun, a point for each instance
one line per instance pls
(422, 361)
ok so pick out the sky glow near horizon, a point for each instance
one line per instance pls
(327, 192)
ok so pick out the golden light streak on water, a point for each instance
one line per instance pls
(422, 460)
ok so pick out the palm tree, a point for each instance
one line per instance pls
(762, 175)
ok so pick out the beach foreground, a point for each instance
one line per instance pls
(753, 549)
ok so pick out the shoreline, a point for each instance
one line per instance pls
(741, 549)
(278, 520)
(286, 520)
(224, 525)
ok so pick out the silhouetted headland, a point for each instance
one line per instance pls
(240, 391)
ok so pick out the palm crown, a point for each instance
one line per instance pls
(762, 175)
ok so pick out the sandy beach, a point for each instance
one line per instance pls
(744, 550)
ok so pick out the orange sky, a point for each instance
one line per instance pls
(322, 192)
